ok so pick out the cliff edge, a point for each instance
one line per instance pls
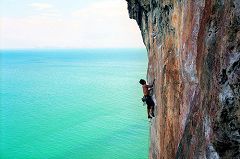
(194, 55)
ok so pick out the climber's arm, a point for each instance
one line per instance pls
(152, 85)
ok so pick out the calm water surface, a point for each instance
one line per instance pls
(72, 104)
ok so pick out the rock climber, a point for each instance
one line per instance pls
(147, 98)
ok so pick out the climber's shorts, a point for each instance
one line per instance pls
(150, 102)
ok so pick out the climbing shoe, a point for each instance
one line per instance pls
(153, 115)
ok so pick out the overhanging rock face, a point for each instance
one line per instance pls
(194, 55)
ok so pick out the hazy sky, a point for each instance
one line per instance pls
(67, 24)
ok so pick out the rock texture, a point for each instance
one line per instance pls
(194, 55)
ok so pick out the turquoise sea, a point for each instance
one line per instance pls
(72, 104)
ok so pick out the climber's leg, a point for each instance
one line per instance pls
(148, 112)
(152, 111)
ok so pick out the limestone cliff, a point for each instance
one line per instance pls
(194, 55)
